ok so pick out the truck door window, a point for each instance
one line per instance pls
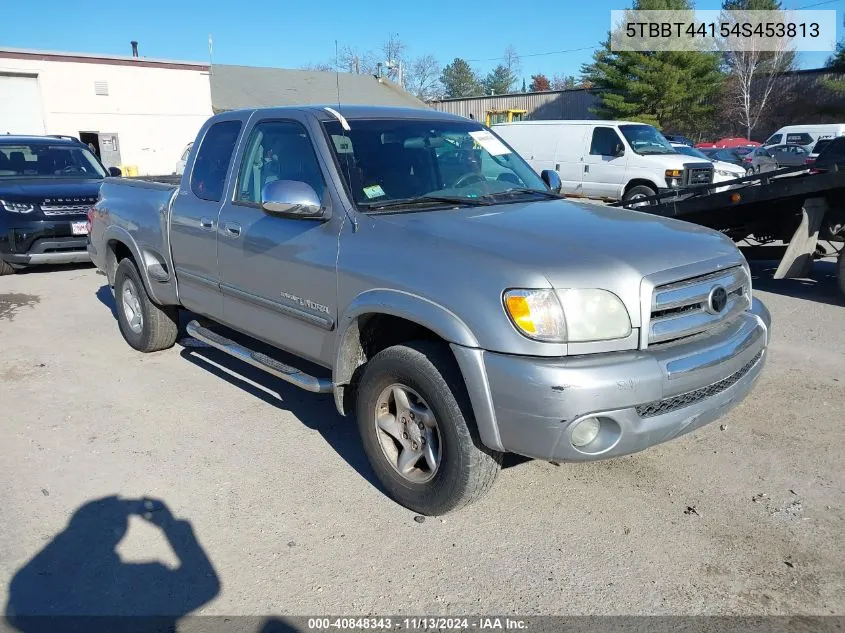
(277, 150)
(774, 139)
(605, 140)
(208, 178)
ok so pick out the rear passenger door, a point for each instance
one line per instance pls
(604, 173)
(277, 274)
(194, 215)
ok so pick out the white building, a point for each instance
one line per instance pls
(139, 113)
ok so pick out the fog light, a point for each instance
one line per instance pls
(584, 432)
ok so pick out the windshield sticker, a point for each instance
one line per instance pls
(489, 142)
(373, 191)
(343, 144)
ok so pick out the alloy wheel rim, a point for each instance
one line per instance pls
(408, 434)
(132, 307)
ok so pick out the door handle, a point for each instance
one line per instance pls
(586, 169)
(207, 224)
(232, 229)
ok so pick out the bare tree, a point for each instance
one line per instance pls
(422, 77)
(752, 75)
(564, 82)
(512, 61)
(394, 51)
(319, 67)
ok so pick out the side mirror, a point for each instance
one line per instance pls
(619, 150)
(291, 199)
(115, 171)
(552, 180)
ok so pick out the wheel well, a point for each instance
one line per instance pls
(640, 181)
(115, 253)
(367, 336)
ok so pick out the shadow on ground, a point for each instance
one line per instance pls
(79, 582)
(820, 287)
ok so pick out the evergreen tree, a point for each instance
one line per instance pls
(459, 80)
(499, 81)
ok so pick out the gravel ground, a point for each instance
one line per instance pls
(742, 517)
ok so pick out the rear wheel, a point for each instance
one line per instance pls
(418, 429)
(146, 326)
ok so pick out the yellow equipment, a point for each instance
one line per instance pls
(504, 116)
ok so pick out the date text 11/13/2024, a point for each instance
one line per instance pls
(416, 623)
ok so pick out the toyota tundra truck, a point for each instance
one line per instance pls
(410, 263)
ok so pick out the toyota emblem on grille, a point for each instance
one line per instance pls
(717, 300)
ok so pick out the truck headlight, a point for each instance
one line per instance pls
(594, 315)
(573, 315)
(536, 313)
(17, 207)
(727, 174)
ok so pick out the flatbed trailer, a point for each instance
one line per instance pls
(798, 206)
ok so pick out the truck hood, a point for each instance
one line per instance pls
(38, 190)
(568, 244)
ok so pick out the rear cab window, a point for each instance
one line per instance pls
(208, 178)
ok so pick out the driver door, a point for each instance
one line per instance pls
(604, 171)
(277, 274)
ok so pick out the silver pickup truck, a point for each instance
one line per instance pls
(413, 265)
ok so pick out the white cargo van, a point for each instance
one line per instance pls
(805, 135)
(606, 159)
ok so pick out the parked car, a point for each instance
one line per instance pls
(832, 152)
(678, 138)
(805, 135)
(733, 156)
(605, 159)
(47, 184)
(411, 264)
(770, 158)
(818, 148)
(723, 171)
(180, 164)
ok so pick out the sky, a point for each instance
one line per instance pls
(293, 34)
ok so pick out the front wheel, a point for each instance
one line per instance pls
(419, 432)
(146, 326)
(638, 193)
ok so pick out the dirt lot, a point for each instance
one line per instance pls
(747, 517)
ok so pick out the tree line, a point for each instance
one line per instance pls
(426, 79)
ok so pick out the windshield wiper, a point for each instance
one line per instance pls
(418, 200)
(517, 190)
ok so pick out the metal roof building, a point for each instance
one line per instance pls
(235, 87)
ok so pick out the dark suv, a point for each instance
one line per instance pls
(47, 185)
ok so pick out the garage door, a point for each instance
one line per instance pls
(20, 105)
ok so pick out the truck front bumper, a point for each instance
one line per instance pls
(33, 241)
(640, 398)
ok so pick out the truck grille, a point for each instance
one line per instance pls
(667, 405)
(77, 205)
(699, 175)
(691, 306)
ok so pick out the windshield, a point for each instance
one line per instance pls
(385, 161)
(645, 139)
(40, 160)
(691, 151)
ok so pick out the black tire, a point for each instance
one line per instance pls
(638, 191)
(840, 270)
(159, 324)
(6, 268)
(467, 468)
